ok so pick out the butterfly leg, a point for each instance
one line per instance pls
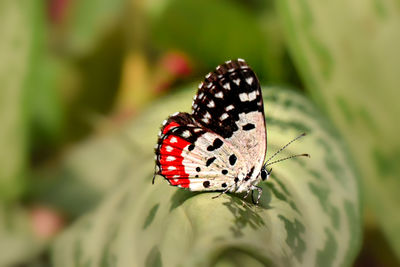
(154, 178)
(223, 192)
(247, 193)
(259, 189)
(245, 196)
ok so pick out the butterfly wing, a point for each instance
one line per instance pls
(229, 103)
(190, 156)
(222, 144)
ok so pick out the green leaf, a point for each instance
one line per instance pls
(309, 214)
(347, 53)
(17, 19)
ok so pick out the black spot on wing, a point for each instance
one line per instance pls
(248, 127)
(206, 184)
(216, 144)
(232, 159)
(210, 161)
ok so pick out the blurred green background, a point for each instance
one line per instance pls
(83, 85)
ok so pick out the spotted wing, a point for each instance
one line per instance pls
(229, 103)
(190, 156)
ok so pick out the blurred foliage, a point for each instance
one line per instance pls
(76, 188)
(18, 242)
(82, 24)
(78, 123)
(351, 69)
(308, 215)
(221, 30)
(17, 51)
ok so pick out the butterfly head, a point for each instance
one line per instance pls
(264, 174)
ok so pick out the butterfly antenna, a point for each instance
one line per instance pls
(294, 156)
(283, 148)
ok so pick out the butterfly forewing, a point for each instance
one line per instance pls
(222, 144)
(229, 102)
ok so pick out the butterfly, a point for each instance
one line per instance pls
(222, 144)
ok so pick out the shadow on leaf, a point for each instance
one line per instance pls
(245, 215)
(150, 216)
(180, 196)
(154, 258)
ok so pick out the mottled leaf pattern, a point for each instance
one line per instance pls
(350, 66)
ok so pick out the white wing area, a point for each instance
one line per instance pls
(251, 144)
(211, 169)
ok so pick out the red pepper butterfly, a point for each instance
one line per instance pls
(222, 145)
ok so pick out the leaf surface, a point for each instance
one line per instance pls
(18, 243)
(350, 66)
(309, 213)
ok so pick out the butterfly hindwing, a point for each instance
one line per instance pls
(190, 156)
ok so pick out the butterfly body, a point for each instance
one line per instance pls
(221, 145)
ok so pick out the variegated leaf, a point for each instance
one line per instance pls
(309, 213)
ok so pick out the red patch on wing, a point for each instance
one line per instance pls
(171, 160)
(170, 126)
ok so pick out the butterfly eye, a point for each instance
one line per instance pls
(264, 174)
